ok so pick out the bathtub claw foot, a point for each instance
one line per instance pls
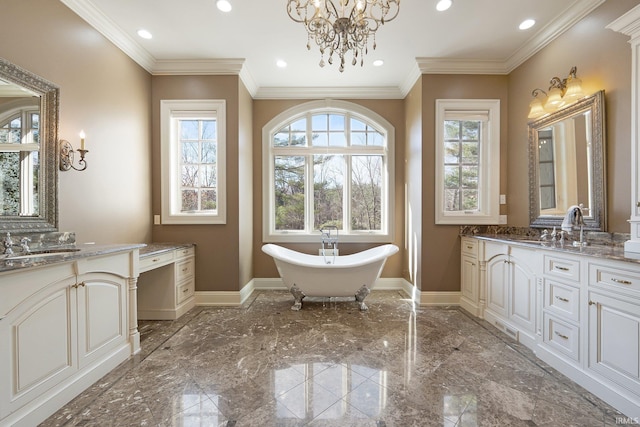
(361, 295)
(298, 295)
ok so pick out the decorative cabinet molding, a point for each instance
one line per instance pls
(580, 314)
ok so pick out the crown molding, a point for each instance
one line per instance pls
(565, 20)
(460, 66)
(98, 20)
(165, 67)
(574, 13)
(628, 24)
(363, 92)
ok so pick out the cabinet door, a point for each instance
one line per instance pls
(38, 345)
(469, 278)
(523, 296)
(614, 339)
(102, 315)
(498, 285)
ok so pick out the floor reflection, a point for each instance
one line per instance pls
(330, 391)
(329, 364)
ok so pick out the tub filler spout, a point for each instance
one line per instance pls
(348, 276)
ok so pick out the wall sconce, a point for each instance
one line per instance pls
(561, 93)
(67, 153)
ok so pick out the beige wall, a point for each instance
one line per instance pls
(245, 184)
(263, 112)
(217, 246)
(440, 259)
(412, 270)
(603, 58)
(103, 92)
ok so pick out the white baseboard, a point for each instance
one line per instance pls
(236, 298)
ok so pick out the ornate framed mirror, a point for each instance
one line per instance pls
(567, 164)
(28, 160)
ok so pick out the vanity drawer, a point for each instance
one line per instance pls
(562, 336)
(185, 291)
(566, 268)
(563, 300)
(615, 276)
(184, 269)
(469, 247)
(185, 252)
(154, 261)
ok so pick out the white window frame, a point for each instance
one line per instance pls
(489, 169)
(269, 233)
(27, 148)
(170, 112)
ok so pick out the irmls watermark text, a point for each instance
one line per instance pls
(627, 420)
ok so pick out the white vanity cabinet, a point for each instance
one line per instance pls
(561, 306)
(577, 309)
(63, 326)
(470, 276)
(511, 290)
(614, 325)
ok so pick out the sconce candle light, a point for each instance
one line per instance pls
(561, 93)
(67, 154)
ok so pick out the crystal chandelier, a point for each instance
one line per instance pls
(344, 26)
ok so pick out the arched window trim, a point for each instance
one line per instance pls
(268, 195)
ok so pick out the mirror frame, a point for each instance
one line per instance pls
(47, 219)
(596, 220)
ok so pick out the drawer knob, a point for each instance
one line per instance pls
(155, 260)
(592, 302)
(621, 281)
(185, 269)
(564, 337)
(185, 291)
(561, 268)
(469, 247)
(562, 299)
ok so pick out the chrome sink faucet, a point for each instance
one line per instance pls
(574, 218)
(8, 244)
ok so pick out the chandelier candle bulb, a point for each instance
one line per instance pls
(82, 135)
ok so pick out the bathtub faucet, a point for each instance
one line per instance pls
(329, 241)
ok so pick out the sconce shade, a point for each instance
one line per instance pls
(536, 109)
(574, 90)
(554, 100)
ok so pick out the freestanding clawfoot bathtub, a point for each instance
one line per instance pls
(319, 276)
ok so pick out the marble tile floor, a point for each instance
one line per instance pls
(329, 364)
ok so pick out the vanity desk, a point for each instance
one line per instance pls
(166, 286)
(576, 308)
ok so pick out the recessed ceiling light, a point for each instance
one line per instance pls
(527, 23)
(280, 63)
(378, 63)
(144, 34)
(443, 5)
(224, 5)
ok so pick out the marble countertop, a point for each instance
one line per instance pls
(83, 251)
(613, 252)
(157, 248)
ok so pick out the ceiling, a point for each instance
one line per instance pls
(194, 37)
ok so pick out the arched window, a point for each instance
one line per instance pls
(328, 163)
(19, 159)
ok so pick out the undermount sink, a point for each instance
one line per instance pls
(42, 253)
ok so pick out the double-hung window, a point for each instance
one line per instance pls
(20, 161)
(467, 161)
(193, 161)
(328, 163)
